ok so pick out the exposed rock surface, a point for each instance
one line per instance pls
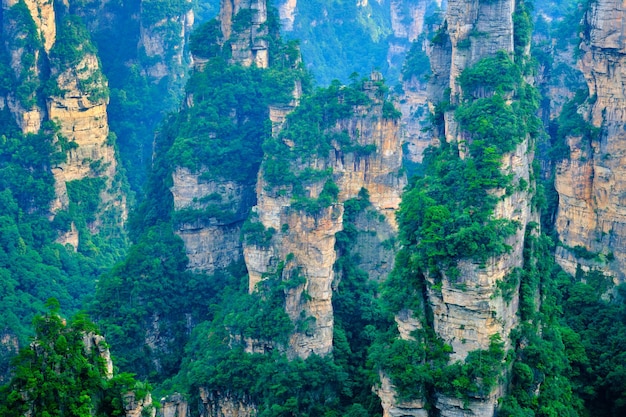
(22, 44)
(244, 27)
(287, 13)
(43, 14)
(77, 105)
(95, 341)
(136, 407)
(375, 244)
(591, 183)
(174, 405)
(469, 310)
(164, 42)
(304, 243)
(211, 242)
(219, 404)
(455, 407)
(82, 119)
(393, 408)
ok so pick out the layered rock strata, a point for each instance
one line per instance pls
(77, 104)
(163, 41)
(82, 118)
(303, 243)
(22, 39)
(591, 216)
(469, 310)
(218, 404)
(211, 242)
(244, 28)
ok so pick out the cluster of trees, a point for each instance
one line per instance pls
(60, 374)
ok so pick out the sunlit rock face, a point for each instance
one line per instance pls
(304, 243)
(211, 243)
(468, 310)
(77, 105)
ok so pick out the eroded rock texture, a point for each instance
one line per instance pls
(163, 39)
(304, 243)
(75, 100)
(591, 216)
(244, 26)
(469, 310)
(211, 242)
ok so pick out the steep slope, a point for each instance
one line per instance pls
(63, 205)
(301, 189)
(74, 100)
(590, 219)
(213, 197)
(201, 190)
(465, 235)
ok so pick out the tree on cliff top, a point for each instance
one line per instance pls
(58, 375)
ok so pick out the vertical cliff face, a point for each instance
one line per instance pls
(301, 245)
(210, 203)
(465, 296)
(243, 27)
(211, 242)
(416, 71)
(36, 37)
(591, 218)
(80, 111)
(474, 30)
(163, 38)
(22, 40)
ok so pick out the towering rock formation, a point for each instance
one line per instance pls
(301, 249)
(75, 98)
(211, 205)
(211, 243)
(78, 105)
(591, 221)
(468, 307)
(163, 37)
(22, 43)
(244, 28)
(415, 73)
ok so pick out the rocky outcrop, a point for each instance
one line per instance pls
(455, 407)
(591, 216)
(469, 310)
(394, 408)
(43, 14)
(219, 207)
(173, 405)
(244, 28)
(75, 97)
(219, 404)
(97, 342)
(163, 38)
(287, 13)
(303, 243)
(22, 40)
(415, 113)
(138, 407)
(80, 111)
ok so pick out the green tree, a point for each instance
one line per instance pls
(58, 375)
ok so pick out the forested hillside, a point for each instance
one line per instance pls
(320, 208)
